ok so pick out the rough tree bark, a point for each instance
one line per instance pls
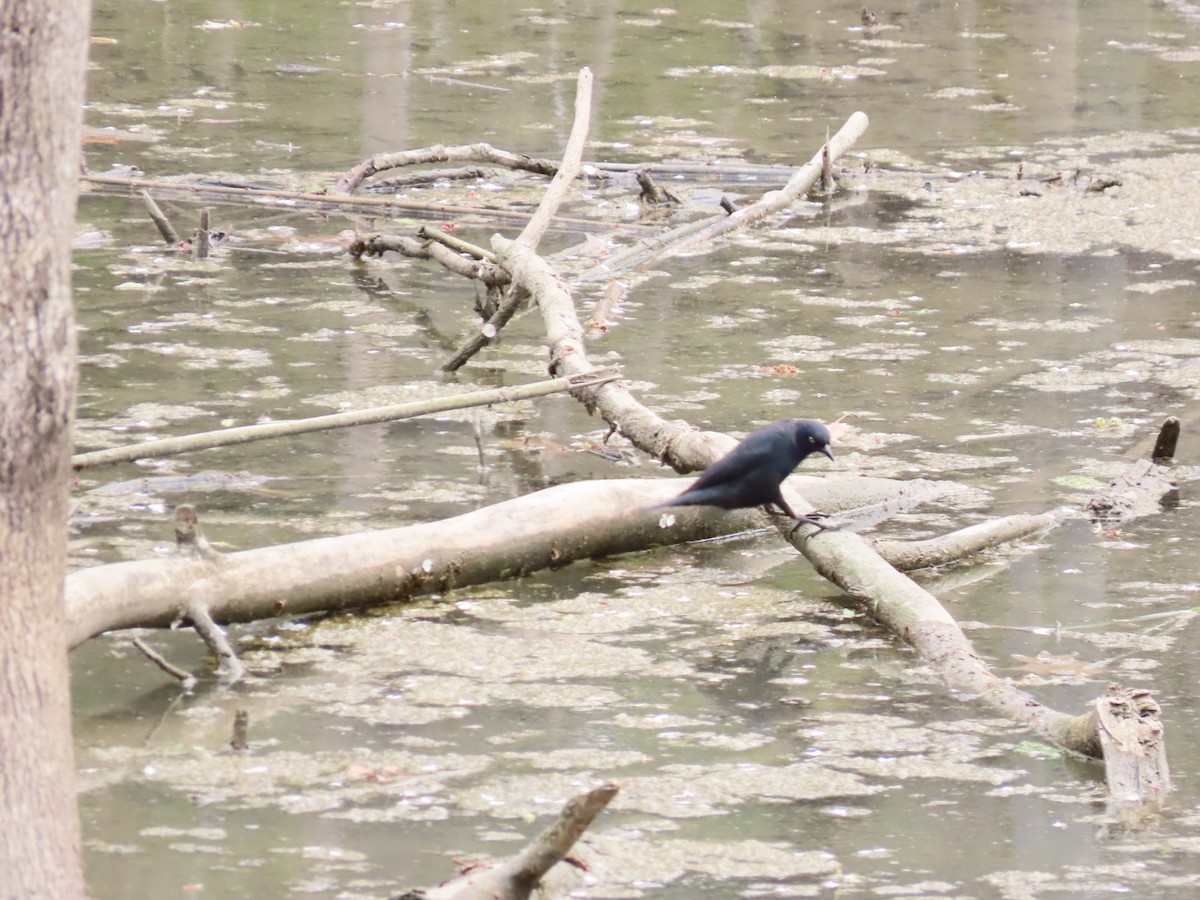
(43, 52)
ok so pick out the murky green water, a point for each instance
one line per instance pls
(769, 743)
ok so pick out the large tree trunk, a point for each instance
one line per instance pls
(43, 51)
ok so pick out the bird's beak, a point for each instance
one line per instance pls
(828, 451)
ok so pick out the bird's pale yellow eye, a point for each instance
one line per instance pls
(811, 439)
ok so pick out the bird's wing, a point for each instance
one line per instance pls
(737, 463)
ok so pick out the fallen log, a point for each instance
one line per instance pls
(544, 530)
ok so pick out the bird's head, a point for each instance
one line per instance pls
(812, 437)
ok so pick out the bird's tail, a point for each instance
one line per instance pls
(695, 498)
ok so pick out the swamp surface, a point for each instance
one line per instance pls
(993, 321)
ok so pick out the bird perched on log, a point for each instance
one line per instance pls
(750, 474)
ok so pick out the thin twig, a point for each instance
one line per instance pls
(201, 192)
(186, 680)
(246, 433)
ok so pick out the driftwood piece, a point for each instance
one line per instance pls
(1168, 439)
(246, 433)
(547, 529)
(516, 878)
(613, 296)
(189, 539)
(1138, 491)
(827, 182)
(431, 176)
(652, 193)
(240, 740)
(203, 242)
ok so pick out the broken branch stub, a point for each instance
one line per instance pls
(1135, 753)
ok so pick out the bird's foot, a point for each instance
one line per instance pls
(814, 518)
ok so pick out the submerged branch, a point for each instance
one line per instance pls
(440, 153)
(909, 555)
(186, 679)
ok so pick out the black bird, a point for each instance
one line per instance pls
(750, 474)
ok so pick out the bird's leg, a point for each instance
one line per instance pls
(812, 518)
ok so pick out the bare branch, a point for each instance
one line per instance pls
(687, 236)
(568, 169)
(516, 878)
(378, 244)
